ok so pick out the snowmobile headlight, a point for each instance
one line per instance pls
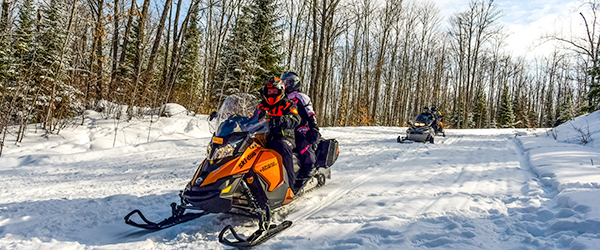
(419, 124)
(224, 151)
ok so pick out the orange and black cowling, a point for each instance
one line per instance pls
(273, 90)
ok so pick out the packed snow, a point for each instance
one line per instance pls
(474, 189)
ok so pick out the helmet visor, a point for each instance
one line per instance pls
(289, 83)
(272, 91)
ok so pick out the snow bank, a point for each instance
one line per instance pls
(173, 109)
(583, 129)
(570, 170)
(99, 134)
(563, 166)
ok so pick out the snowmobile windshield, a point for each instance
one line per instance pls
(237, 123)
(240, 104)
(423, 118)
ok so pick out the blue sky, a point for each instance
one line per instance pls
(526, 20)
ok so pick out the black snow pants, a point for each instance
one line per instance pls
(285, 147)
(307, 157)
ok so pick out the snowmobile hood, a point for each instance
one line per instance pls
(265, 162)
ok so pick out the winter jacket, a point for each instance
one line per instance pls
(283, 118)
(308, 123)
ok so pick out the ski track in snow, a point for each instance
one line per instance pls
(470, 190)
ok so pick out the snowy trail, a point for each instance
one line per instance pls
(474, 189)
(463, 177)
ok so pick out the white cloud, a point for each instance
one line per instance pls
(526, 21)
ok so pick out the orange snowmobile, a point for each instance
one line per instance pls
(241, 176)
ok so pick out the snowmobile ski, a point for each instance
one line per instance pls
(178, 217)
(257, 238)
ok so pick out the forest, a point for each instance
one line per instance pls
(363, 62)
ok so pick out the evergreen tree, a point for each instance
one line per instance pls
(593, 95)
(235, 74)
(126, 70)
(533, 123)
(506, 117)
(6, 52)
(190, 71)
(458, 115)
(520, 111)
(16, 64)
(567, 112)
(23, 45)
(6, 60)
(56, 95)
(480, 113)
(251, 53)
(548, 118)
(266, 35)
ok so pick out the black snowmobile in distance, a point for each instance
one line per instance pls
(420, 130)
(241, 176)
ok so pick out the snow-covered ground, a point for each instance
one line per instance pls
(474, 189)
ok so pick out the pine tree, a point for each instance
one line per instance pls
(458, 114)
(21, 54)
(6, 60)
(506, 117)
(251, 53)
(23, 45)
(190, 71)
(53, 56)
(480, 113)
(6, 52)
(235, 74)
(127, 69)
(520, 111)
(548, 118)
(593, 95)
(265, 33)
(533, 122)
(567, 112)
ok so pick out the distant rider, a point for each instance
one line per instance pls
(307, 132)
(427, 112)
(283, 119)
(438, 119)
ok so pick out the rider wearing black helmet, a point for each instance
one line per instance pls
(438, 119)
(426, 110)
(307, 132)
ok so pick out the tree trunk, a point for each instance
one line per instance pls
(154, 52)
(99, 56)
(137, 64)
(132, 12)
(4, 19)
(115, 50)
(59, 69)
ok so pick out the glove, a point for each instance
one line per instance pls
(312, 136)
(275, 121)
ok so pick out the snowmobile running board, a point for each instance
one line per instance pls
(178, 217)
(257, 238)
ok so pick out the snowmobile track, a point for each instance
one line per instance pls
(341, 192)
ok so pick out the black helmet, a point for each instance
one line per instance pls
(291, 81)
(273, 90)
(433, 108)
